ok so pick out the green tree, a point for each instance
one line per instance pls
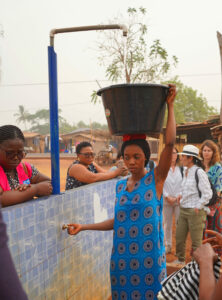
(96, 125)
(22, 116)
(130, 59)
(81, 124)
(40, 122)
(41, 128)
(190, 106)
(65, 127)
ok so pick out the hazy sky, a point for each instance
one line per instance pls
(186, 29)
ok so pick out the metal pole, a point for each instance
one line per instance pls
(54, 120)
(53, 96)
(86, 28)
(219, 38)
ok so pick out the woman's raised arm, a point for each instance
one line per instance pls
(163, 167)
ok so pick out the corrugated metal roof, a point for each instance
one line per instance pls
(28, 134)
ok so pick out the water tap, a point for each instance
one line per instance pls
(64, 226)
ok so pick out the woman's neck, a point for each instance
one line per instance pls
(138, 176)
(9, 171)
(190, 165)
(85, 165)
(206, 163)
(173, 165)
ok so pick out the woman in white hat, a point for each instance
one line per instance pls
(192, 206)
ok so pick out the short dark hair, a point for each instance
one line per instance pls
(143, 144)
(177, 160)
(10, 132)
(119, 154)
(82, 145)
(196, 161)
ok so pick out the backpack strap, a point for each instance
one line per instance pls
(181, 170)
(197, 181)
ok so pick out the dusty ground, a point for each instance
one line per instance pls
(44, 166)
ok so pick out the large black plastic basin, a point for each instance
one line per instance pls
(134, 108)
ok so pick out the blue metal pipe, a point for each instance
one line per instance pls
(53, 96)
(54, 120)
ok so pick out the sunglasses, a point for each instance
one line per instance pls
(88, 155)
(11, 154)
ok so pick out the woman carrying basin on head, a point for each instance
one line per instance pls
(19, 181)
(84, 170)
(138, 263)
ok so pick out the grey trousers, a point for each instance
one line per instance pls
(168, 212)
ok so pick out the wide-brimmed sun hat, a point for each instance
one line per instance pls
(191, 150)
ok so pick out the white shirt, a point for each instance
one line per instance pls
(190, 196)
(172, 184)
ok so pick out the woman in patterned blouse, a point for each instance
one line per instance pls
(84, 170)
(211, 161)
(19, 181)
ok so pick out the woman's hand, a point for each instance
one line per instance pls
(196, 211)
(74, 229)
(43, 188)
(120, 163)
(204, 254)
(122, 170)
(22, 187)
(171, 94)
(171, 200)
(205, 257)
(216, 240)
(178, 198)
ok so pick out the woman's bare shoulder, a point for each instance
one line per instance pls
(77, 166)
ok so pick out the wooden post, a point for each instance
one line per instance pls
(219, 38)
(91, 136)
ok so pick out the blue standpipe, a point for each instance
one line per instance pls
(54, 120)
(53, 95)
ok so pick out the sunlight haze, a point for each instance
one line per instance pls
(186, 29)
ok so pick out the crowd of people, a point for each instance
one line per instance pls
(148, 197)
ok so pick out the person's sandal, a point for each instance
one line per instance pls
(178, 262)
(168, 249)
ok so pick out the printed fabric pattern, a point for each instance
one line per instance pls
(138, 261)
(9, 183)
(215, 222)
(184, 284)
(215, 175)
(72, 182)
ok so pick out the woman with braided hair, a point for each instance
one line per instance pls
(19, 182)
(138, 261)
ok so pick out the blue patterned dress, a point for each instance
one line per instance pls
(215, 175)
(138, 261)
